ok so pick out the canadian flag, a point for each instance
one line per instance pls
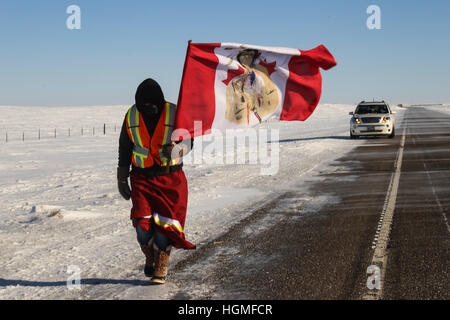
(232, 85)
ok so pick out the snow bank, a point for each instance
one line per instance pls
(444, 108)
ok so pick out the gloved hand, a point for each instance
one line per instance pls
(174, 150)
(167, 149)
(122, 182)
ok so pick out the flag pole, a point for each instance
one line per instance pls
(184, 69)
(180, 92)
(169, 160)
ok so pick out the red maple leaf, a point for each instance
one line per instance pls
(233, 73)
(270, 67)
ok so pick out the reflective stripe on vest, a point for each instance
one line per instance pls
(139, 151)
(133, 124)
(167, 140)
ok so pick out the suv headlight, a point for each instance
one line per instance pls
(385, 119)
(357, 121)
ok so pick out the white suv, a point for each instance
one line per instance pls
(372, 119)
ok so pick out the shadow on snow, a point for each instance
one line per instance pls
(92, 281)
(311, 138)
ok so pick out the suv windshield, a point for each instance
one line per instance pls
(372, 109)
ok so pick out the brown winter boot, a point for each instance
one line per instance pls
(161, 264)
(149, 258)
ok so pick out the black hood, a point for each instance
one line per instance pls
(149, 94)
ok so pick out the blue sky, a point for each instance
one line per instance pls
(123, 42)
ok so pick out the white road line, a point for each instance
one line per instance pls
(379, 258)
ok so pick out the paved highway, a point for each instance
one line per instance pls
(383, 234)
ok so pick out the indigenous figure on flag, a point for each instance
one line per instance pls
(158, 185)
(251, 94)
(243, 85)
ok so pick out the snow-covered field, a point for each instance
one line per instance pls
(60, 206)
(443, 108)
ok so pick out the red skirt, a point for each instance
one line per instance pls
(161, 201)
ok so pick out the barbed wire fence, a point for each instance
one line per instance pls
(14, 135)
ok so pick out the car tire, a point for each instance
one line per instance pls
(392, 135)
(352, 136)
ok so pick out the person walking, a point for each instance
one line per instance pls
(159, 190)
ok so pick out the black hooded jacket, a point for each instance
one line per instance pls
(150, 103)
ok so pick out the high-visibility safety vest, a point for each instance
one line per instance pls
(148, 150)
